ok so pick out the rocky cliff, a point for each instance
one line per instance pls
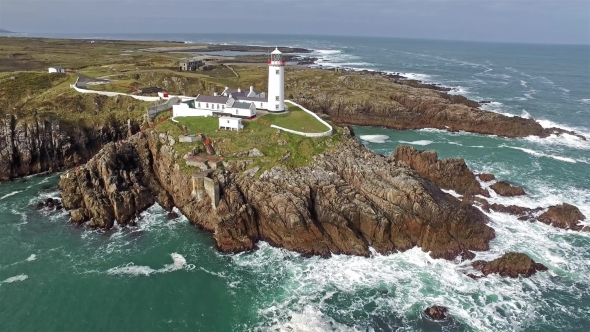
(399, 106)
(346, 200)
(36, 145)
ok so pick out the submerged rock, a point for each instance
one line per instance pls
(436, 312)
(504, 188)
(564, 216)
(511, 264)
(347, 200)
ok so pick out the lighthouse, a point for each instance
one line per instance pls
(276, 82)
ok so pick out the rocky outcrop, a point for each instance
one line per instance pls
(417, 108)
(450, 174)
(35, 145)
(564, 216)
(485, 177)
(345, 201)
(504, 188)
(511, 264)
(436, 312)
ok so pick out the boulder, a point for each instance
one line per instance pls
(511, 264)
(564, 216)
(436, 312)
(504, 188)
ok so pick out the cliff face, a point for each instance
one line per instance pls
(35, 145)
(344, 202)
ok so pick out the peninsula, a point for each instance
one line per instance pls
(315, 194)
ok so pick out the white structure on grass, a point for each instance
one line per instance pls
(276, 82)
(229, 123)
(56, 70)
(238, 103)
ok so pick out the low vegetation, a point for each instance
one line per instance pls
(278, 147)
(296, 119)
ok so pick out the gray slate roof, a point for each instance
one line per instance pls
(242, 105)
(212, 99)
(240, 98)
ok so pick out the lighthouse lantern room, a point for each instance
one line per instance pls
(276, 82)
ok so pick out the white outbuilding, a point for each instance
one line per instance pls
(56, 70)
(229, 123)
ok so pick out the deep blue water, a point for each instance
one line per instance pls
(167, 276)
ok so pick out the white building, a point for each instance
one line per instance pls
(53, 70)
(230, 123)
(238, 103)
(276, 82)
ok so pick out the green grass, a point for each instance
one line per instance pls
(296, 119)
(254, 135)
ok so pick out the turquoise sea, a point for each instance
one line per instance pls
(166, 275)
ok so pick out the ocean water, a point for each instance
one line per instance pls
(166, 275)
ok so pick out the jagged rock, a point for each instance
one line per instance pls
(511, 264)
(448, 173)
(467, 255)
(564, 216)
(436, 312)
(35, 145)
(485, 177)
(346, 201)
(504, 188)
(172, 215)
(281, 142)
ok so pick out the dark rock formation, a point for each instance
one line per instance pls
(564, 216)
(436, 312)
(34, 145)
(347, 200)
(448, 173)
(486, 177)
(511, 264)
(504, 188)
(51, 204)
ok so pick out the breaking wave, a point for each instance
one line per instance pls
(179, 263)
(374, 138)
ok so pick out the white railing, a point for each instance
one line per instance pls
(322, 134)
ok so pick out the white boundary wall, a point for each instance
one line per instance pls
(114, 94)
(325, 133)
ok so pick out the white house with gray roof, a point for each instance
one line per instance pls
(241, 103)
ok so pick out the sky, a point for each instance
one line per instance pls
(531, 21)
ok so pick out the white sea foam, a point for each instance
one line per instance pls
(179, 263)
(21, 277)
(31, 258)
(327, 52)
(523, 83)
(539, 154)
(420, 142)
(585, 101)
(374, 138)
(525, 114)
(11, 194)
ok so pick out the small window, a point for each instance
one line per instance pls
(207, 105)
(277, 98)
(260, 104)
(199, 105)
(227, 121)
(277, 72)
(217, 106)
(222, 107)
(277, 107)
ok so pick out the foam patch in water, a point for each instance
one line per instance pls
(541, 154)
(10, 280)
(374, 138)
(31, 258)
(179, 263)
(11, 194)
(420, 142)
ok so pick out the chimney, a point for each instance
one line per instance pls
(215, 94)
(251, 88)
(239, 90)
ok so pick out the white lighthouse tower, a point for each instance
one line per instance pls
(276, 82)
